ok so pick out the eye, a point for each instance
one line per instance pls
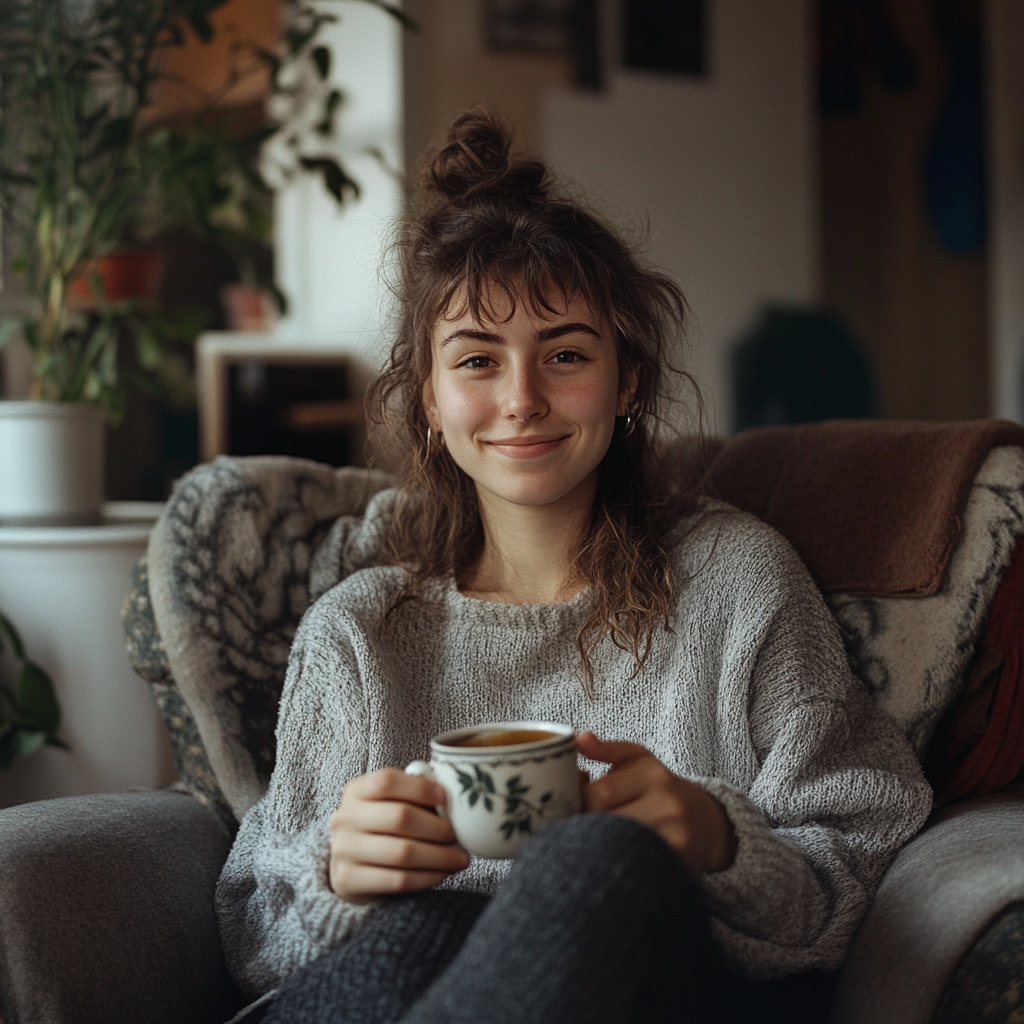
(476, 362)
(569, 356)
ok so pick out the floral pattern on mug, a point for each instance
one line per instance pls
(518, 809)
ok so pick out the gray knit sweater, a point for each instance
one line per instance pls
(749, 694)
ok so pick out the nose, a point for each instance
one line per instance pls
(523, 398)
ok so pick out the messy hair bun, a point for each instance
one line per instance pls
(476, 161)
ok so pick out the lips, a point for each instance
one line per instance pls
(526, 447)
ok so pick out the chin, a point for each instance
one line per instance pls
(535, 494)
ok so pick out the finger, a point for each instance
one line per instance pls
(610, 751)
(657, 810)
(394, 818)
(404, 854)
(622, 784)
(360, 883)
(392, 784)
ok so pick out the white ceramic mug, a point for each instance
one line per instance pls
(501, 793)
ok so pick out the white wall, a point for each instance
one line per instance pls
(725, 167)
(1005, 46)
(328, 260)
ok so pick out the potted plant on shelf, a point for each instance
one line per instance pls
(87, 182)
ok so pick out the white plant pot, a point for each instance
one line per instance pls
(63, 587)
(51, 463)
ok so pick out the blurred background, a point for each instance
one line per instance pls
(838, 185)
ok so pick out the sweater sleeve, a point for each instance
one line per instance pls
(275, 907)
(832, 791)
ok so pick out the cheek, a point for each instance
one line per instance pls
(459, 405)
(587, 403)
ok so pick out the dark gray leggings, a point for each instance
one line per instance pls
(597, 923)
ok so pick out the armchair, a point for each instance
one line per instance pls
(106, 901)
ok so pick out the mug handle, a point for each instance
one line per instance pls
(421, 768)
(425, 770)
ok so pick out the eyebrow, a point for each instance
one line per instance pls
(548, 334)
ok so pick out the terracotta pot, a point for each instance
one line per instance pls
(248, 309)
(126, 274)
(51, 463)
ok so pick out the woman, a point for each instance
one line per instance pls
(746, 796)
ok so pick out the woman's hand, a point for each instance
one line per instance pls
(640, 787)
(386, 837)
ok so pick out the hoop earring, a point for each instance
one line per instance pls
(428, 439)
(630, 424)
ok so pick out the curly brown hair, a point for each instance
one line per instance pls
(489, 223)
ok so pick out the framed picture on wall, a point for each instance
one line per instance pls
(548, 26)
(540, 26)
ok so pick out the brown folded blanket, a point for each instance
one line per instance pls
(872, 506)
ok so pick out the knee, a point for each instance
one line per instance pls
(604, 845)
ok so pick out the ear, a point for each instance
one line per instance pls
(627, 390)
(430, 405)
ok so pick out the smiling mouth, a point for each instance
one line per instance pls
(526, 447)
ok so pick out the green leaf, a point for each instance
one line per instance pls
(31, 334)
(280, 298)
(96, 285)
(10, 640)
(322, 59)
(36, 699)
(474, 797)
(546, 797)
(488, 803)
(466, 781)
(336, 181)
(148, 349)
(28, 742)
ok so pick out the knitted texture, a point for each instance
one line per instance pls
(749, 693)
(597, 923)
(386, 966)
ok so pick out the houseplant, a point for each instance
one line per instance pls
(29, 712)
(84, 171)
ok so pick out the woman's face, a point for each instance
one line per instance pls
(526, 404)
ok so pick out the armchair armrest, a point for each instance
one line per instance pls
(106, 911)
(941, 892)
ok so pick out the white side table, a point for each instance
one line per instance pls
(62, 587)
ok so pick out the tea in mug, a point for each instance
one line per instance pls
(503, 737)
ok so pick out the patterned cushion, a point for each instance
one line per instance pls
(149, 659)
(228, 581)
(913, 652)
